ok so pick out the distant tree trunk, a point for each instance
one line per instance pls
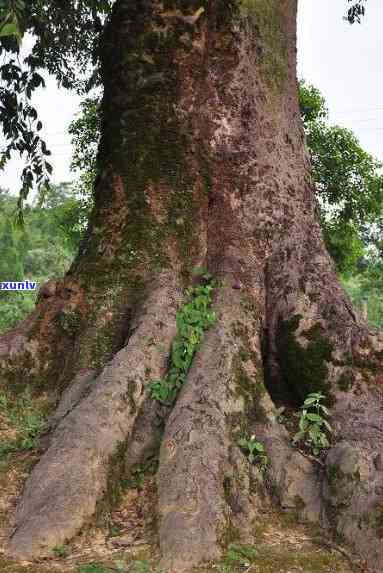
(202, 163)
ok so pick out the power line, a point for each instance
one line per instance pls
(351, 120)
(355, 110)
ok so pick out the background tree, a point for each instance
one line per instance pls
(201, 164)
(42, 249)
(348, 182)
(66, 46)
(349, 188)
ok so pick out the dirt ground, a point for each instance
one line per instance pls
(125, 542)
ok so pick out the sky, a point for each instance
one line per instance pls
(343, 61)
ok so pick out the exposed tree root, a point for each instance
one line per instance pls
(317, 343)
(208, 493)
(62, 493)
(204, 479)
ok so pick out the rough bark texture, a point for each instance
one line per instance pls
(72, 476)
(203, 479)
(202, 163)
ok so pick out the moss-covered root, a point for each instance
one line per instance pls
(203, 478)
(64, 489)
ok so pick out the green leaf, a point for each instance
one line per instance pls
(328, 426)
(10, 26)
(324, 409)
(309, 401)
(325, 442)
(316, 395)
(9, 29)
(199, 271)
(315, 418)
(259, 447)
(314, 432)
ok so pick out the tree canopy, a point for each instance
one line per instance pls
(348, 182)
(66, 46)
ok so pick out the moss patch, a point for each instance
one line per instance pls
(143, 138)
(227, 533)
(378, 520)
(266, 18)
(304, 368)
(346, 382)
(281, 545)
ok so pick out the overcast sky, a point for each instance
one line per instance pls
(343, 61)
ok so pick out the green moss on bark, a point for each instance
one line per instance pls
(266, 18)
(227, 533)
(346, 381)
(143, 138)
(303, 367)
(378, 520)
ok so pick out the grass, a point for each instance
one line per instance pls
(135, 566)
(95, 568)
(61, 551)
(237, 558)
(24, 422)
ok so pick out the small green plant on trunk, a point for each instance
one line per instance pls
(314, 429)
(193, 319)
(255, 451)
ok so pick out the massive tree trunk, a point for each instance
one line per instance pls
(202, 163)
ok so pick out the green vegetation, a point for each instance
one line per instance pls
(85, 131)
(136, 479)
(266, 18)
(61, 551)
(348, 182)
(356, 12)
(255, 451)
(63, 32)
(305, 368)
(193, 319)
(237, 557)
(95, 568)
(25, 421)
(42, 249)
(314, 428)
(349, 186)
(140, 567)
(365, 289)
(135, 566)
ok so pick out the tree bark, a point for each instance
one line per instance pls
(202, 163)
